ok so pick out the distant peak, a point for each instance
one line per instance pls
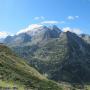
(54, 26)
(36, 27)
(70, 33)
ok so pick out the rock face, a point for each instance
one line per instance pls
(17, 39)
(61, 56)
(64, 59)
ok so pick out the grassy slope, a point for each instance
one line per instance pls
(11, 85)
(14, 69)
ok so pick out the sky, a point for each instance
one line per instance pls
(17, 15)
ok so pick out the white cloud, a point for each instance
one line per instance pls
(3, 34)
(72, 17)
(76, 16)
(74, 30)
(29, 28)
(51, 22)
(39, 18)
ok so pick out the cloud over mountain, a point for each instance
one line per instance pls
(74, 30)
(29, 28)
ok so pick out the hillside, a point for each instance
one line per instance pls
(14, 69)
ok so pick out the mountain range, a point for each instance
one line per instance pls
(59, 56)
(33, 36)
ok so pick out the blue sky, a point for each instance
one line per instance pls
(16, 15)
